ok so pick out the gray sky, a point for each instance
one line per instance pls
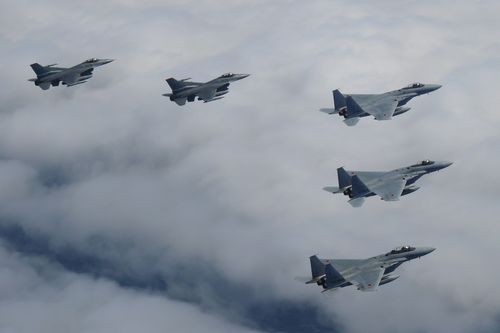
(120, 211)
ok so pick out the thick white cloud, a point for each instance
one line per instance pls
(235, 185)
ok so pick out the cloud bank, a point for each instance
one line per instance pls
(121, 210)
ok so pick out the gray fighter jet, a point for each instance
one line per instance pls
(389, 185)
(381, 106)
(50, 75)
(365, 274)
(184, 90)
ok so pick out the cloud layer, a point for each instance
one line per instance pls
(121, 210)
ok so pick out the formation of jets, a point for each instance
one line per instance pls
(331, 274)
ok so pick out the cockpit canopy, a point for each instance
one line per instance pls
(227, 75)
(424, 162)
(402, 249)
(90, 60)
(414, 85)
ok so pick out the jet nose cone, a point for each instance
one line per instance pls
(445, 164)
(424, 251)
(433, 87)
(242, 76)
(428, 250)
(107, 61)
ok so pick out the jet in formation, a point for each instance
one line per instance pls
(381, 106)
(184, 90)
(50, 75)
(365, 274)
(389, 185)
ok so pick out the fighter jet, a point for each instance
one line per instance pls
(50, 75)
(365, 274)
(381, 106)
(184, 90)
(389, 185)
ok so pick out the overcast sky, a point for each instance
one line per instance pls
(123, 212)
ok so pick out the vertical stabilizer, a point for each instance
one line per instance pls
(38, 69)
(339, 100)
(174, 84)
(317, 267)
(359, 189)
(344, 178)
(333, 278)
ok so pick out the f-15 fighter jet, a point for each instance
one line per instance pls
(50, 75)
(365, 274)
(381, 106)
(389, 185)
(184, 90)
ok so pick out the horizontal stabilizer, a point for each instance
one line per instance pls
(76, 83)
(180, 101)
(332, 189)
(351, 121)
(213, 99)
(167, 95)
(358, 202)
(329, 110)
(304, 279)
(330, 290)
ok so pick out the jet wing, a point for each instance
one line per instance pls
(207, 94)
(368, 280)
(363, 99)
(366, 176)
(383, 108)
(388, 190)
(70, 78)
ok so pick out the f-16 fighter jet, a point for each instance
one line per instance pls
(184, 90)
(50, 75)
(381, 106)
(389, 185)
(365, 274)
